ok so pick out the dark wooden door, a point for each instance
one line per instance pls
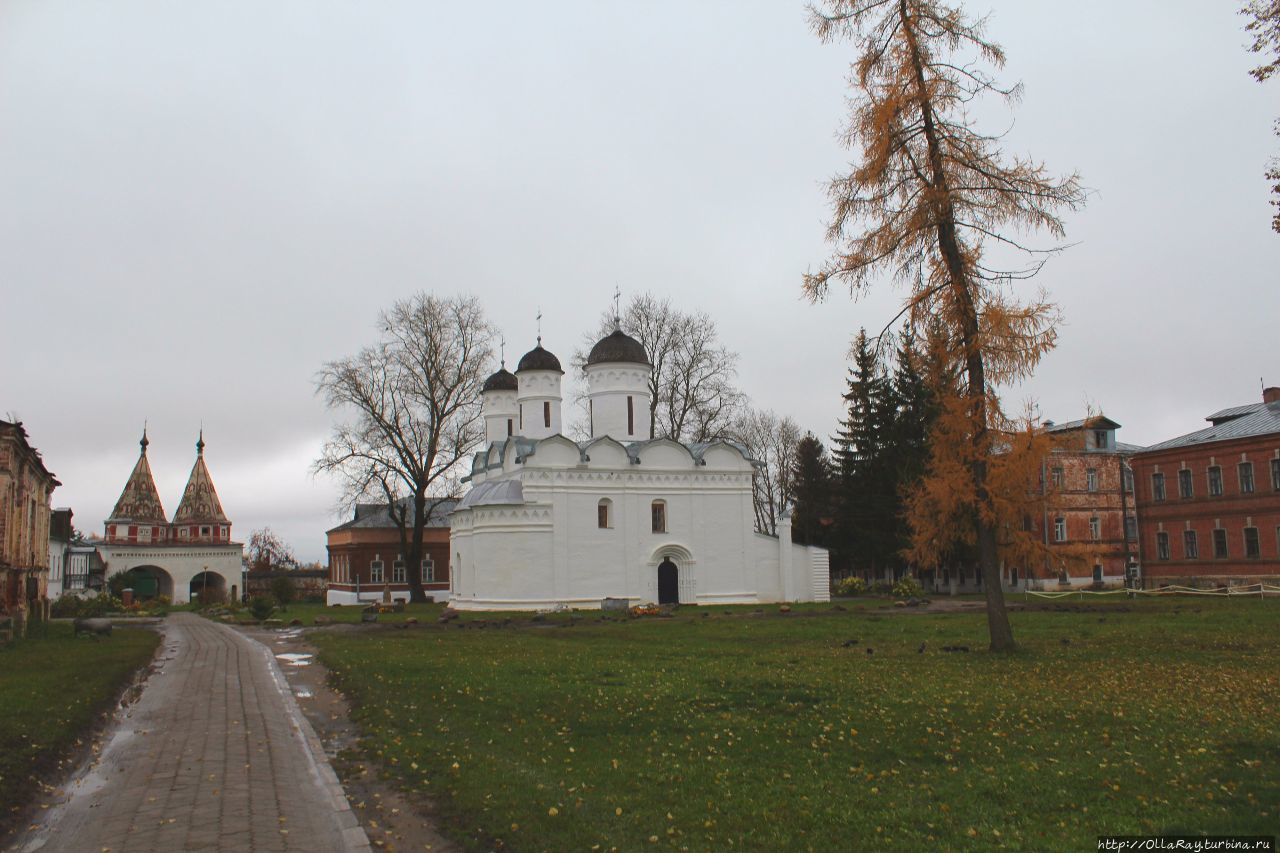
(668, 583)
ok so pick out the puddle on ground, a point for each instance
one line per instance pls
(303, 693)
(295, 659)
(286, 636)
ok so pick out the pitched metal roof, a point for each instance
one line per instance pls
(1096, 422)
(1231, 413)
(379, 515)
(1263, 419)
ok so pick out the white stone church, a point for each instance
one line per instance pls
(552, 522)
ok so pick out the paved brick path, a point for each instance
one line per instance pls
(215, 755)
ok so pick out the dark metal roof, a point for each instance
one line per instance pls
(618, 346)
(1232, 413)
(1095, 422)
(502, 380)
(539, 359)
(379, 515)
(1263, 420)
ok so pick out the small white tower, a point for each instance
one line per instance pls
(618, 373)
(499, 407)
(538, 393)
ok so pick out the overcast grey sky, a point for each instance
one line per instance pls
(202, 202)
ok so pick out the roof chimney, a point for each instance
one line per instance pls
(1271, 395)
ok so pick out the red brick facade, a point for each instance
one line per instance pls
(26, 488)
(365, 557)
(1223, 531)
(1087, 510)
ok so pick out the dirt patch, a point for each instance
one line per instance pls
(392, 819)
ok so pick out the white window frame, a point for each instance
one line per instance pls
(1060, 529)
(376, 569)
(1091, 479)
(1095, 528)
(398, 572)
(1241, 470)
(428, 570)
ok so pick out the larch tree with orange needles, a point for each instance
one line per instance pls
(1264, 26)
(928, 194)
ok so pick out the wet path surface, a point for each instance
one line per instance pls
(215, 755)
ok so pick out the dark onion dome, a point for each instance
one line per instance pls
(503, 380)
(618, 346)
(539, 359)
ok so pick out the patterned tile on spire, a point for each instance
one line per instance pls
(140, 501)
(200, 504)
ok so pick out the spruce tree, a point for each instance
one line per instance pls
(811, 486)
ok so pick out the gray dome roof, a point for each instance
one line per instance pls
(618, 346)
(503, 380)
(539, 359)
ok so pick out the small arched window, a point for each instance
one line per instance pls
(659, 510)
(603, 514)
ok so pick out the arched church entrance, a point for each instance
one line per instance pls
(149, 582)
(208, 588)
(668, 582)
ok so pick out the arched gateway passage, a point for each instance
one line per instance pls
(149, 582)
(208, 588)
(668, 582)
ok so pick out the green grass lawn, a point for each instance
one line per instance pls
(52, 688)
(737, 730)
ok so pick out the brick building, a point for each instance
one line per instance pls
(26, 488)
(365, 556)
(1088, 521)
(1209, 501)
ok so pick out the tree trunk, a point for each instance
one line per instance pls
(413, 567)
(949, 247)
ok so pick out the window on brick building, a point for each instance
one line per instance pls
(428, 570)
(1095, 528)
(1184, 483)
(375, 571)
(1219, 543)
(1100, 439)
(1252, 546)
(1215, 481)
(1059, 529)
(1131, 528)
(1157, 487)
(1162, 546)
(1055, 477)
(1190, 547)
(1275, 475)
(398, 573)
(1091, 479)
(1126, 479)
(1246, 478)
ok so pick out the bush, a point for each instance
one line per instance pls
(851, 586)
(283, 590)
(261, 607)
(908, 587)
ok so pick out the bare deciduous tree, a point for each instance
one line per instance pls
(692, 396)
(268, 552)
(928, 194)
(772, 441)
(414, 403)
